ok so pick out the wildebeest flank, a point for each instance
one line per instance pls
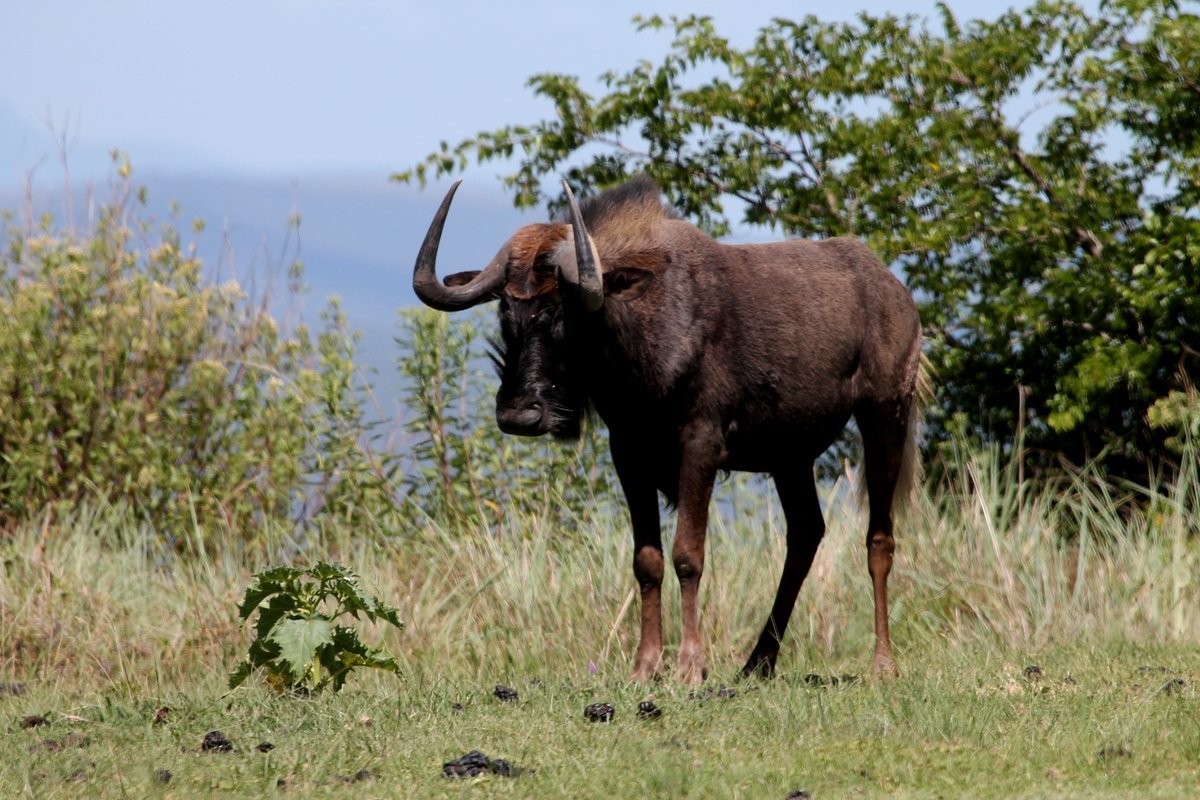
(702, 356)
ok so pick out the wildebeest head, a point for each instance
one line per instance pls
(551, 281)
(538, 391)
(543, 276)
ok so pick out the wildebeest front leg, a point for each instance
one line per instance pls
(642, 499)
(648, 569)
(805, 528)
(698, 470)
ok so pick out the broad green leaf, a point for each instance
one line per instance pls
(259, 591)
(298, 640)
(281, 605)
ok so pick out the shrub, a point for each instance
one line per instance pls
(129, 378)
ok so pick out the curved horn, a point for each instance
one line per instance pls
(591, 288)
(432, 292)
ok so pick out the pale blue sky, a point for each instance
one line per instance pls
(291, 87)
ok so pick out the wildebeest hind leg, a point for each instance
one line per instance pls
(884, 431)
(805, 527)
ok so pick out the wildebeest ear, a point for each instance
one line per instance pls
(463, 278)
(460, 278)
(627, 283)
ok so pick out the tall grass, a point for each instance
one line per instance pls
(982, 561)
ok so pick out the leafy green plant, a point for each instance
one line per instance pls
(1178, 413)
(297, 640)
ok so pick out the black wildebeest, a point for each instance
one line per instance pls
(702, 356)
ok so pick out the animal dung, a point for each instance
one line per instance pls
(599, 712)
(477, 763)
(647, 710)
(215, 742)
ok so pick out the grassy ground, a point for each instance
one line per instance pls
(100, 631)
(968, 723)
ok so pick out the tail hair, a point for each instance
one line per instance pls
(912, 469)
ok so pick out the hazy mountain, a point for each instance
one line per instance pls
(358, 238)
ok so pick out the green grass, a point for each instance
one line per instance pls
(964, 723)
(103, 629)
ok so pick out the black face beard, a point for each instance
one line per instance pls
(564, 410)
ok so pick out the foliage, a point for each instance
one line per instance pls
(296, 640)
(1178, 412)
(462, 468)
(356, 475)
(1035, 178)
(131, 377)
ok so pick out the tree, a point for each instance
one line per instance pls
(1034, 178)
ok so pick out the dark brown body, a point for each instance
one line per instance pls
(702, 357)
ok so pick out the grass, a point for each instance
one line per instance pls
(103, 629)
(1097, 723)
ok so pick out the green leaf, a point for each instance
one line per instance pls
(254, 596)
(324, 571)
(298, 640)
(281, 605)
(266, 583)
(239, 675)
(262, 652)
(383, 611)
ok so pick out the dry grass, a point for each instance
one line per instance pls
(94, 602)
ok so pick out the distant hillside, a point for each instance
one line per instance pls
(359, 235)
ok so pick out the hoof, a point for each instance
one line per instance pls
(645, 676)
(883, 668)
(691, 671)
(758, 666)
(690, 676)
(647, 670)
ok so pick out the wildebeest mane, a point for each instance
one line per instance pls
(627, 220)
